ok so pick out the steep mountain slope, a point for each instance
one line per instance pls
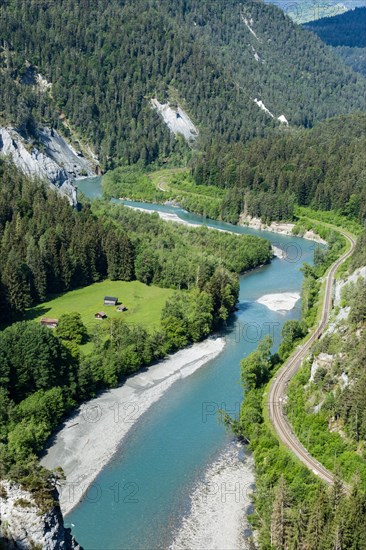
(347, 34)
(354, 57)
(326, 408)
(323, 168)
(235, 67)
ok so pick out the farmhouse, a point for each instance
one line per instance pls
(121, 308)
(50, 323)
(100, 315)
(110, 301)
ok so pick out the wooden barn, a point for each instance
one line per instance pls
(110, 301)
(50, 323)
(100, 315)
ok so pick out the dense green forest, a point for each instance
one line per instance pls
(359, 255)
(354, 57)
(161, 251)
(47, 247)
(346, 34)
(107, 58)
(324, 168)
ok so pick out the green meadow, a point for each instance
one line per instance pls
(144, 303)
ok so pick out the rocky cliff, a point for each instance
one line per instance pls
(47, 156)
(23, 525)
(332, 363)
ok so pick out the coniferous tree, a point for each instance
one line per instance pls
(281, 517)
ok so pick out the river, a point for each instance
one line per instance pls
(179, 479)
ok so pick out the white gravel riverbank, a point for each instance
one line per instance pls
(89, 439)
(217, 519)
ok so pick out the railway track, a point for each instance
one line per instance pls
(278, 388)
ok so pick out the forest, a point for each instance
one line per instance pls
(323, 168)
(47, 247)
(207, 59)
(354, 57)
(175, 186)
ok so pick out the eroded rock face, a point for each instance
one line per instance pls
(57, 162)
(24, 526)
(353, 278)
(176, 119)
(63, 154)
(323, 360)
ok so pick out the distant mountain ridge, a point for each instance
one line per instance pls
(238, 69)
(346, 33)
(310, 10)
(347, 29)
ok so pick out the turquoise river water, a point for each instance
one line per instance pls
(147, 486)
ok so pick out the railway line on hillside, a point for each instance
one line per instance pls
(278, 389)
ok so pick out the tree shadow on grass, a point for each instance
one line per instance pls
(35, 312)
(29, 315)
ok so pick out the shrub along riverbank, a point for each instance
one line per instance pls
(293, 508)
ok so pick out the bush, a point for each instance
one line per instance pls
(71, 328)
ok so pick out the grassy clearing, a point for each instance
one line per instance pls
(144, 303)
(162, 178)
(178, 182)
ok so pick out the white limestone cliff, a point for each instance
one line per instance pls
(52, 159)
(23, 525)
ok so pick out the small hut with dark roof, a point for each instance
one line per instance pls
(100, 315)
(110, 301)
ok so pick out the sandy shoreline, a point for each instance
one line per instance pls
(89, 439)
(281, 228)
(171, 217)
(252, 223)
